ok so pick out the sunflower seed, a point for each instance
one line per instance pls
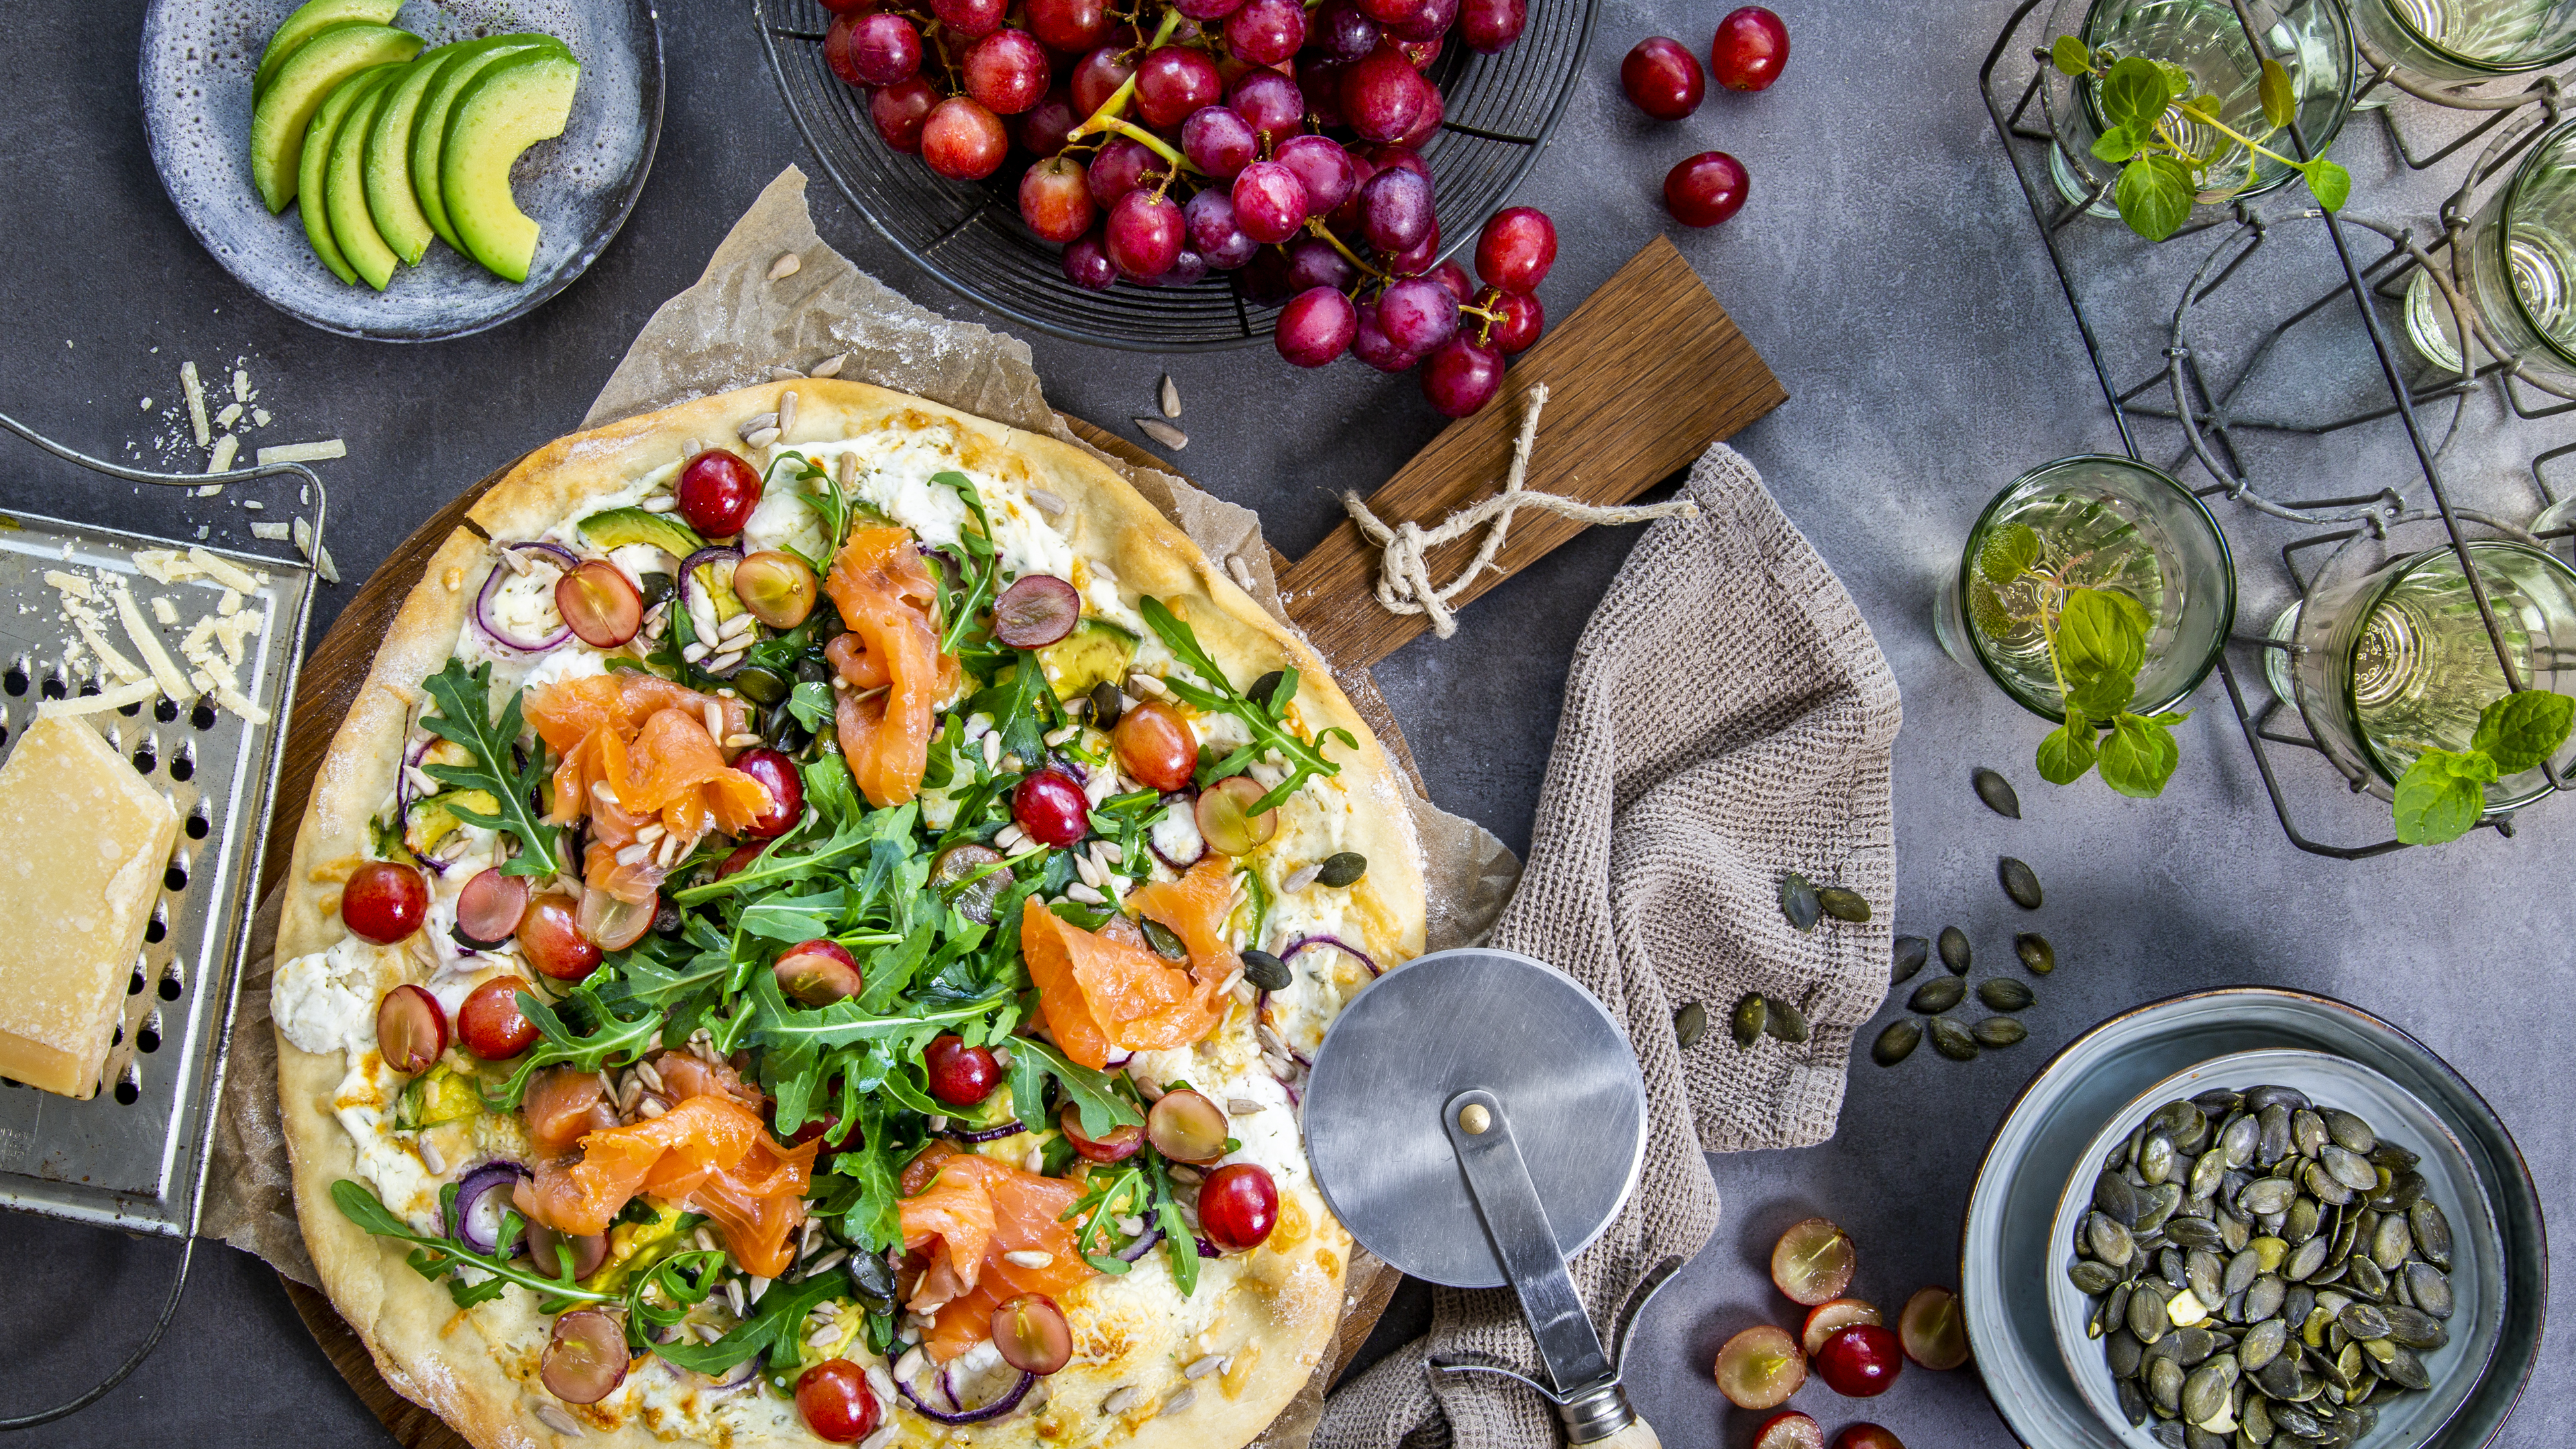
(829, 366)
(1896, 1043)
(1841, 904)
(1163, 433)
(1689, 1024)
(1169, 396)
(2004, 994)
(1953, 1040)
(785, 267)
(1029, 1258)
(1751, 1015)
(2019, 883)
(1119, 1399)
(1798, 901)
(1938, 995)
(2001, 1031)
(556, 1419)
(2037, 956)
(1909, 954)
(1954, 950)
(1997, 792)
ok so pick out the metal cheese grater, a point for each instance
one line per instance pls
(134, 1156)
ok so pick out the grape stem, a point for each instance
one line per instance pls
(1315, 226)
(1148, 140)
(1112, 108)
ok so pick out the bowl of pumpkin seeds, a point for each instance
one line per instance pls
(2277, 1249)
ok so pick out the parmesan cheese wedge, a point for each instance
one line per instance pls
(82, 844)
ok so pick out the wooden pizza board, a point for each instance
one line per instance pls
(1643, 376)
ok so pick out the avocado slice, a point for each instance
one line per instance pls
(619, 527)
(429, 131)
(1095, 651)
(280, 119)
(501, 113)
(390, 200)
(311, 20)
(312, 195)
(344, 184)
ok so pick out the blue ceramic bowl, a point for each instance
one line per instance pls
(2023, 1317)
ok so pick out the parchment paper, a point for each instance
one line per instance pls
(728, 331)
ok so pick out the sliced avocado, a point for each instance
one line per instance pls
(719, 591)
(429, 130)
(430, 820)
(619, 527)
(435, 1098)
(311, 20)
(390, 200)
(1095, 651)
(312, 194)
(344, 183)
(280, 119)
(501, 113)
(634, 1247)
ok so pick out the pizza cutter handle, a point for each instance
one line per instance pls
(1637, 1435)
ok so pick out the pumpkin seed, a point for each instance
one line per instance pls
(1690, 1023)
(2261, 1344)
(2350, 1132)
(2391, 1243)
(1910, 954)
(2307, 1132)
(2432, 1232)
(1751, 1015)
(2122, 1349)
(2133, 1402)
(1997, 792)
(2019, 882)
(2304, 1263)
(1896, 1043)
(1841, 904)
(2036, 954)
(2090, 1278)
(2193, 1233)
(1938, 995)
(1270, 973)
(2004, 994)
(1953, 1040)
(1798, 901)
(2164, 1385)
(1344, 868)
(2363, 1320)
(2272, 1135)
(2156, 1159)
(2236, 1141)
(2242, 1270)
(1106, 702)
(2264, 1299)
(2406, 1371)
(1784, 1022)
(2414, 1328)
(1954, 950)
(2204, 1394)
(2001, 1031)
(2430, 1288)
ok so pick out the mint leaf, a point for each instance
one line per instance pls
(2008, 554)
(2140, 756)
(2441, 796)
(464, 717)
(2134, 94)
(2328, 183)
(2070, 56)
(2117, 144)
(2177, 80)
(2155, 196)
(2100, 633)
(2068, 751)
(2280, 98)
(2522, 729)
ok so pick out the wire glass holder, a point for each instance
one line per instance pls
(2208, 412)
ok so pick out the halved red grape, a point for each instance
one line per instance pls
(818, 972)
(1395, 209)
(1172, 81)
(969, 18)
(1224, 812)
(1266, 32)
(717, 492)
(490, 1022)
(775, 586)
(1860, 1360)
(411, 1030)
(585, 1356)
(1789, 1429)
(834, 1400)
(1516, 248)
(1492, 25)
(1751, 47)
(1121, 1143)
(1522, 319)
(546, 1249)
(489, 907)
(384, 902)
(1662, 78)
(1069, 26)
(1051, 807)
(1932, 1331)
(1097, 77)
(1087, 265)
(1323, 168)
(1316, 327)
(898, 111)
(883, 49)
(550, 937)
(1269, 202)
(1155, 746)
(1055, 200)
(1271, 103)
(1238, 1206)
(963, 140)
(1143, 234)
(1706, 189)
(1047, 128)
(1219, 141)
(1186, 1127)
(1006, 71)
(1036, 611)
(1831, 1316)
(785, 786)
(1031, 1334)
(1383, 97)
(1867, 1436)
(960, 1075)
(1461, 375)
(971, 876)
(1760, 1368)
(1812, 1262)
(614, 924)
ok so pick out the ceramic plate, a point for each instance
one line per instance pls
(2477, 1280)
(2012, 1266)
(198, 57)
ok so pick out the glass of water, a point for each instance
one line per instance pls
(2312, 38)
(2104, 522)
(2518, 263)
(2396, 660)
(2455, 42)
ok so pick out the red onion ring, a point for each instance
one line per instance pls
(1011, 1128)
(1338, 944)
(1153, 1234)
(403, 799)
(994, 1410)
(479, 1184)
(492, 585)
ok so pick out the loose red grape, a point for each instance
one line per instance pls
(1522, 319)
(1322, 167)
(835, 1401)
(1271, 103)
(1418, 314)
(1320, 81)
(1069, 26)
(1461, 376)
(1238, 1206)
(960, 1075)
(1516, 248)
(1269, 202)
(1453, 277)
(1213, 233)
(898, 111)
(1097, 77)
(1047, 127)
(1421, 53)
(1155, 746)
(1144, 234)
(1087, 265)
(1316, 326)
(1427, 123)
(1264, 279)
(1492, 25)
(1383, 96)
(884, 49)
(1219, 142)
(1172, 81)
(1315, 262)
(1118, 167)
(1341, 31)
(411, 1030)
(550, 938)
(1055, 200)
(963, 140)
(1662, 78)
(1706, 189)
(1006, 71)
(1429, 21)
(1395, 209)
(1751, 47)
(785, 788)
(1860, 1361)
(716, 493)
(1051, 807)
(384, 902)
(1187, 270)
(490, 1022)
(969, 18)
(1266, 32)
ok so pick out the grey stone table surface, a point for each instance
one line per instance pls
(1888, 270)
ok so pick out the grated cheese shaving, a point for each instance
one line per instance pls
(117, 698)
(231, 699)
(223, 571)
(165, 612)
(196, 403)
(76, 585)
(165, 565)
(273, 532)
(147, 642)
(322, 451)
(225, 447)
(230, 603)
(230, 415)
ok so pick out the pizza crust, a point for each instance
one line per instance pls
(444, 1360)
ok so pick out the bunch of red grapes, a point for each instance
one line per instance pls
(1255, 137)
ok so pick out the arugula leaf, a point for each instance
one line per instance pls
(616, 1044)
(442, 1257)
(2522, 729)
(1103, 1109)
(1180, 1245)
(2441, 796)
(771, 1329)
(790, 919)
(877, 1219)
(957, 615)
(1018, 704)
(816, 488)
(810, 703)
(1216, 693)
(464, 717)
(2140, 755)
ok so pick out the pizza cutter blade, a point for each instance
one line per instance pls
(1476, 1118)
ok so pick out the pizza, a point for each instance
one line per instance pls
(813, 929)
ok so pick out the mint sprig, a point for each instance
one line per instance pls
(2148, 107)
(2444, 793)
(464, 717)
(2097, 642)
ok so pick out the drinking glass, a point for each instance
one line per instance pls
(2518, 261)
(2107, 522)
(2456, 42)
(2310, 37)
(2395, 660)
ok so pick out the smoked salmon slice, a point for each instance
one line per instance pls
(709, 1152)
(1101, 994)
(645, 740)
(1195, 907)
(889, 662)
(974, 1213)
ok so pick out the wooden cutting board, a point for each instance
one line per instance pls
(1643, 376)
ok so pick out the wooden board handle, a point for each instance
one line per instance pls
(1641, 379)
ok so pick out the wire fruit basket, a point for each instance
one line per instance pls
(1501, 110)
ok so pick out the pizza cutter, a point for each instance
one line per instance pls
(1476, 1118)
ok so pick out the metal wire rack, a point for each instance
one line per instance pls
(2217, 415)
(1501, 110)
